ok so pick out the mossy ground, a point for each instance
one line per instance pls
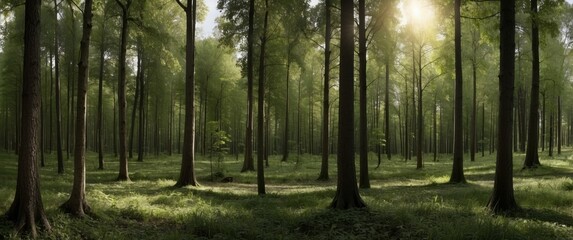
(403, 203)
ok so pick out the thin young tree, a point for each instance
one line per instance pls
(248, 164)
(60, 155)
(347, 195)
(123, 167)
(458, 166)
(326, 93)
(27, 207)
(364, 179)
(187, 172)
(261, 108)
(76, 204)
(502, 198)
(531, 155)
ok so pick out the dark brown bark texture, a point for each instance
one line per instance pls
(77, 205)
(502, 199)
(458, 166)
(347, 195)
(27, 207)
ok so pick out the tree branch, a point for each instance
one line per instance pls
(181, 5)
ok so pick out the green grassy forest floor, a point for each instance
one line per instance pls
(404, 203)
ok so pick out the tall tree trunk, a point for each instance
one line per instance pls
(531, 156)
(136, 97)
(502, 198)
(76, 204)
(543, 125)
(326, 94)
(123, 167)
(364, 180)
(558, 125)
(482, 129)
(187, 173)
(261, 108)
(287, 105)
(27, 207)
(387, 110)
(473, 131)
(141, 131)
(100, 99)
(60, 154)
(347, 195)
(248, 164)
(458, 166)
(420, 119)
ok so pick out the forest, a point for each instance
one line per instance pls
(286, 119)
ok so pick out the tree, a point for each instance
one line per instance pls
(347, 195)
(326, 93)
(364, 180)
(248, 164)
(57, 93)
(123, 168)
(187, 172)
(502, 198)
(458, 166)
(531, 155)
(261, 109)
(27, 207)
(77, 204)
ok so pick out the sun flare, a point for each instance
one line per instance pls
(419, 12)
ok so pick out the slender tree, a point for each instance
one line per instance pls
(261, 108)
(326, 93)
(347, 195)
(502, 198)
(364, 179)
(248, 164)
(531, 155)
(27, 207)
(123, 167)
(57, 93)
(458, 166)
(77, 204)
(187, 173)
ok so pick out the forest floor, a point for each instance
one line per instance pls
(403, 203)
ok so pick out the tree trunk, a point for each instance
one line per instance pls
(27, 207)
(287, 105)
(100, 99)
(347, 195)
(473, 131)
(364, 180)
(58, 101)
(136, 97)
(261, 109)
(387, 110)
(326, 94)
(248, 164)
(531, 156)
(558, 125)
(187, 173)
(502, 199)
(123, 166)
(458, 166)
(420, 119)
(77, 204)
(141, 133)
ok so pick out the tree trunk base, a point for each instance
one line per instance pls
(346, 202)
(502, 206)
(75, 208)
(123, 179)
(181, 184)
(25, 218)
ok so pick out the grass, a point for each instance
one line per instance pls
(403, 203)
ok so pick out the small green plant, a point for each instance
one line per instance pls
(218, 149)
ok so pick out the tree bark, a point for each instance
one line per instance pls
(77, 205)
(100, 98)
(27, 207)
(326, 93)
(123, 166)
(458, 166)
(364, 180)
(187, 173)
(387, 110)
(502, 199)
(531, 156)
(57, 93)
(261, 109)
(136, 97)
(558, 125)
(347, 195)
(248, 164)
